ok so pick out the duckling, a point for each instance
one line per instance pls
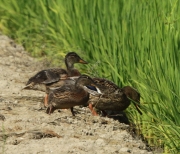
(49, 77)
(112, 97)
(69, 95)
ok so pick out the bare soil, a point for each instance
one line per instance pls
(25, 128)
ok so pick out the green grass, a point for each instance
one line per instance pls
(133, 43)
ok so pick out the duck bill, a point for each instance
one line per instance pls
(82, 61)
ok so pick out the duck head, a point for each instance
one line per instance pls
(85, 80)
(72, 58)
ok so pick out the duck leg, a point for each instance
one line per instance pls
(72, 111)
(92, 110)
(46, 100)
(49, 110)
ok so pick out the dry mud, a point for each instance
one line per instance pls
(25, 128)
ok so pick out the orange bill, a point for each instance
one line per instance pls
(82, 61)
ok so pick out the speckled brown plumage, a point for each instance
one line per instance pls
(50, 77)
(47, 76)
(105, 85)
(69, 95)
(115, 101)
(112, 97)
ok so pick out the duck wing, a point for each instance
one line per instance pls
(47, 76)
(105, 86)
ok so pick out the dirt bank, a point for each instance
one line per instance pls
(25, 128)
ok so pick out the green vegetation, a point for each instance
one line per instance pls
(133, 43)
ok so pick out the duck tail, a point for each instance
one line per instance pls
(27, 87)
(50, 109)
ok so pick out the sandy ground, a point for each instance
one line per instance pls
(25, 128)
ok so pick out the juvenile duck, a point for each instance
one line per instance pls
(69, 95)
(49, 77)
(112, 97)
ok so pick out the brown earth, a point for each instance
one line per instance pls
(25, 128)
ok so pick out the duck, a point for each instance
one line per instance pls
(70, 94)
(50, 77)
(112, 97)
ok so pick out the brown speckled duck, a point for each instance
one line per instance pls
(112, 97)
(50, 77)
(69, 95)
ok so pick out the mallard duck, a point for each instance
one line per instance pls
(49, 77)
(69, 95)
(112, 97)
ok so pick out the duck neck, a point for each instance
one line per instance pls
(69, 65)
(78, 85)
